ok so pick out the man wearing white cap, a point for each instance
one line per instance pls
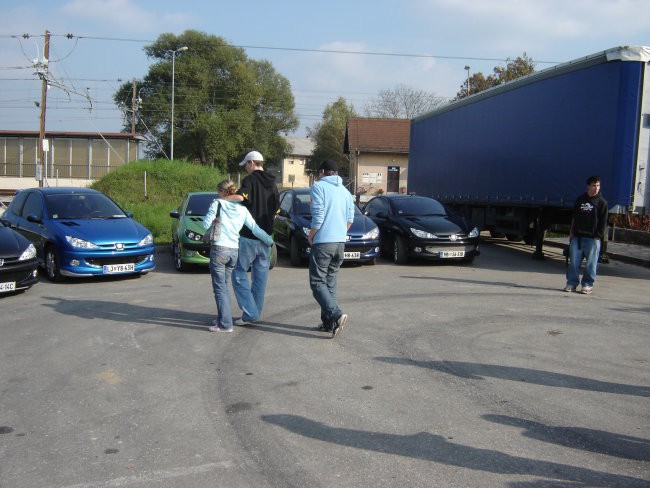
(260, 195)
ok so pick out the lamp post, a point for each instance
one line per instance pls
(467, 68)
(184, 48)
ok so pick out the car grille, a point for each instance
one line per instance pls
(99, 262)
(16, 276)
(361, 249)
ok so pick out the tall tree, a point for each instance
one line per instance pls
(329, 136)
(402, 102)
(225, 104)
(514, 68)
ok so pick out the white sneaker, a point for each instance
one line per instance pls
(240, 321)
(586, 290)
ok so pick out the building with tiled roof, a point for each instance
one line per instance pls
(294, 165)
(378, 151)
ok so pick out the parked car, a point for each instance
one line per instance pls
(291, 229)
(18, 264)
(80, 232)
(416, 226)
(188, 249)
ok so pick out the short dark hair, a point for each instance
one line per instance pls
(593, 179)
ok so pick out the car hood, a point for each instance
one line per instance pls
(361, 225)
(12, 244)
(102, 231)
(437, 225)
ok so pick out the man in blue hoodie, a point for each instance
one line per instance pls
(332, 214)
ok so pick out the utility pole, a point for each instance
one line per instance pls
(41, 137)
(134, 106)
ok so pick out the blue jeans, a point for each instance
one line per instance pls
(222, 262)
(256, 256)
(324, 263)
(589, 249)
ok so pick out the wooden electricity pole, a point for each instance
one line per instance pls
(134, 106)
(41, 137)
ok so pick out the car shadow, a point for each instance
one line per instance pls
(477, 371)
(439, 449)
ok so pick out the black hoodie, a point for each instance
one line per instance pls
(262, 200)
(590, 216)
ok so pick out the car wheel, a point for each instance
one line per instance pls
(274, 256)
(294, 252)
(178, 261)
(400, 250)
(52, 269)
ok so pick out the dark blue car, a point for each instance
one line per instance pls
(291, 228)
(17, 261)
(80, 232)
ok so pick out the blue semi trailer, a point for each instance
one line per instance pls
(514, 158)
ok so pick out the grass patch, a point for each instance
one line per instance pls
(166, 184)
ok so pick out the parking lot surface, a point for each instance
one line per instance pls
(446, 375)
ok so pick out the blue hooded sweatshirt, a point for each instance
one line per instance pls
(332, 209)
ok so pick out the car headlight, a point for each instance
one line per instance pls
(80, 243)
(148, 240)
(193, 236)
(373, 234)
(29, 253)
(475, 233)
(422, 234)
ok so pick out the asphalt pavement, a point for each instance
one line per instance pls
(619, 251)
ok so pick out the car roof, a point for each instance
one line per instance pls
(62, 190)
(192, 193)
(297, 190)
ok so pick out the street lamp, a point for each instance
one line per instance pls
(467, 68)
(184, 48)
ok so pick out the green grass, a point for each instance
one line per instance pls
(167, 183)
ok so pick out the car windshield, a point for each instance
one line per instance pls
(83, 206)
(199, 204)
(419, 207)
(302, 207)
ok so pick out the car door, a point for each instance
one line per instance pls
(281, 227)
(378, 209)
(33, 218)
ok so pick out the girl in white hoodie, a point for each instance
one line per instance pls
(224, 250)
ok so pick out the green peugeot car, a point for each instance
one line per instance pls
(188, 249)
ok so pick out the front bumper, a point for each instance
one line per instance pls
(89, 263)
(429, 249)
(24, 274)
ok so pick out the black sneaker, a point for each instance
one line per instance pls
(339, 324)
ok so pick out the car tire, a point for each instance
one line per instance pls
(400, 250)
(273, 258)
(52, 264)
(294, 252)
(176, 256)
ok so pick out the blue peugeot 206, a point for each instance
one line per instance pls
(80, 232)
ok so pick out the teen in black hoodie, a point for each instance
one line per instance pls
(588, 229)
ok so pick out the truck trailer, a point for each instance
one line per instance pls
(514, 158)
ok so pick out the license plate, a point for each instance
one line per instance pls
(119, 268)
(7, 287)
(452, 254)
(351, 255)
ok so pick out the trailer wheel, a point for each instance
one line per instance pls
(514, 237)
(400, 250)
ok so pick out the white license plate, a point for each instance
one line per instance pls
(119, 268)
(7, 287)
(351, 255)
(452, 254)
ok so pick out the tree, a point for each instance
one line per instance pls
(402, 102)
(329, 136)
(514, 68)
(225, 104)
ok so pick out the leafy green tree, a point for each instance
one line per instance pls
(329, 136)
(225, 103)
(402, 102)
(514, 68)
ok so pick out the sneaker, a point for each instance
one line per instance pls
(241, 321)
(339, 324)
(586, 290)
(215, 327)
(569, 288)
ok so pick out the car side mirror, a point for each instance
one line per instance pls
(34, 218)
(129, 214)
(283, 213)
(174, 214)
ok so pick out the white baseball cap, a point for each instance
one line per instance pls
(252, 156)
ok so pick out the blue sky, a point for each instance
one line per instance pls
(455, 33)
